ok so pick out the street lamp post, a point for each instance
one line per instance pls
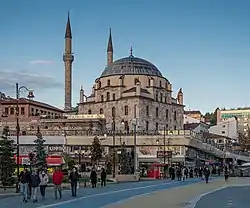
(30, 95)
(164, 145)
(114, 153)
(135, 150)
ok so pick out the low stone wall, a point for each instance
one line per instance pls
(127, 178)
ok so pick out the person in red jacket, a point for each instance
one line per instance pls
(57, 180)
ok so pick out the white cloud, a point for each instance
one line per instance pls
(40, 62)
(8, 78)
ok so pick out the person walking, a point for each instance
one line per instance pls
(24, 179)
(226, 173)
(93, 178)
(103, 177)
(74, 179)
(44, 178)
(57, 180)
(34, 182)
(206, 174)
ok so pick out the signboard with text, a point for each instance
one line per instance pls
(162, 154)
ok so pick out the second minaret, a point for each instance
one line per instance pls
(68, 59)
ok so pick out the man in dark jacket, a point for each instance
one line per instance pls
(93, 178)
(103, 177)
(24, 179)
(206, 174)
(34, 182)
(74, 178)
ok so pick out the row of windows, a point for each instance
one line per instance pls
(147, 112)
(11, 111)
(136, 80)
(34, 112)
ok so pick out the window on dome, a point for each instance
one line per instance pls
(108, 96)
(149, 81)
(113, 96)
(160, 84)
(108, 82)
(102, 98)
(99, 84)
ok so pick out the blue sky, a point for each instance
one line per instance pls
(201, 46)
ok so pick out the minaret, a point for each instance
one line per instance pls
(81, 94)
(68, 59)
(110, 49)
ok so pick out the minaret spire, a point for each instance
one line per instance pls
(68, 59)
(68, 29)
(110, 49)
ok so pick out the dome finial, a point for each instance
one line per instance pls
(131, 51)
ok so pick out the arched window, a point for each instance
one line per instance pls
(102, 98)
(108, 96)
(89, 112)
(156, 96)
(113, 96)
(101, 111)
(156, 112)
(126, 127)
(175, 116)
(108, 82)
(156, 126)
(113, 111)
(126, 110)
(160, 84)
(147, 110)
(146, 125)
(167, 114)
(161, 97)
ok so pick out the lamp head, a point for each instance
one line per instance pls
(31, 94)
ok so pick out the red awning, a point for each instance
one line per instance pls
(51, 160)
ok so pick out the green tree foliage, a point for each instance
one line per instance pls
(96, 150)
(125, 168)
(7, 160)
(41, 154)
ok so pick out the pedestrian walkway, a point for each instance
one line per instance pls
(98, 197)
(178, 197)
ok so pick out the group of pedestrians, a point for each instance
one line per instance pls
(30, 181)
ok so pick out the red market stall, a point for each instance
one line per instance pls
(53, 160)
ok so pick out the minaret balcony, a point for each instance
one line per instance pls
(68, 57)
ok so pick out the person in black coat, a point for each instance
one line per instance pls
(93, 178)
(206, 174)
(103, 177)
(74, 179)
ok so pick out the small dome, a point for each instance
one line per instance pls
(131, 66)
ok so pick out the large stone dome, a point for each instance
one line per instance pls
(131, 66)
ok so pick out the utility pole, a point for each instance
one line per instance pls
(164, 145)
(135, 145)
(113, 123)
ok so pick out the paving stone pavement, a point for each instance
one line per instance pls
(179, 197)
